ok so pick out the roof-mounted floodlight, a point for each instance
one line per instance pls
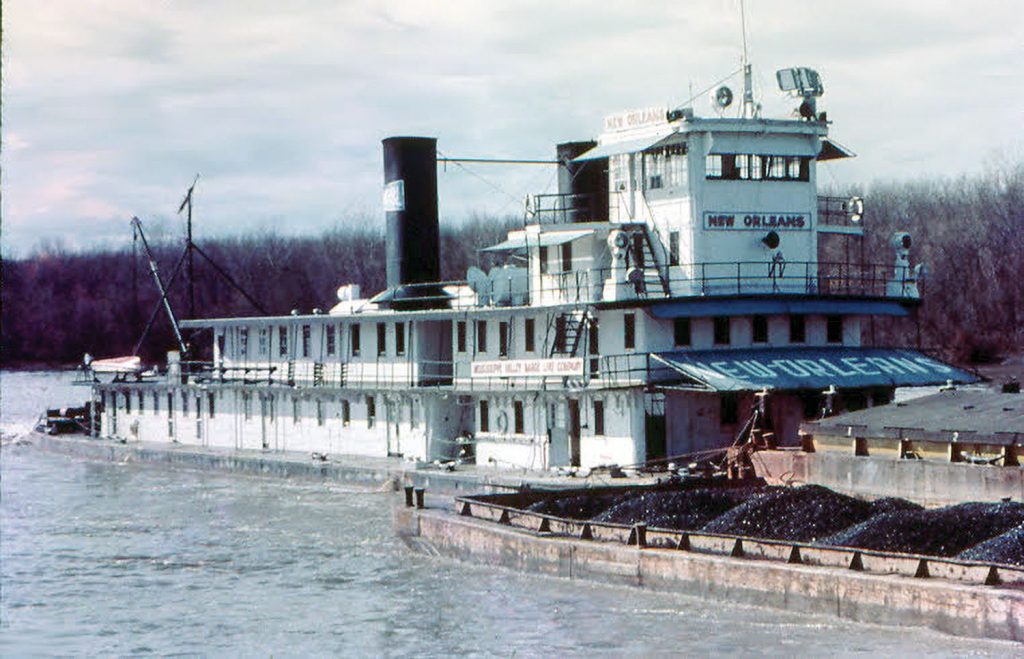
(801, 80)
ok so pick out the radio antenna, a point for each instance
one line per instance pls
(749, 109)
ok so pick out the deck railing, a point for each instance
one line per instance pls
(687, 280)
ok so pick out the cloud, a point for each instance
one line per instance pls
(111, 107)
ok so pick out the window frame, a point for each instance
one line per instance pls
(722, 330)
(759, 322)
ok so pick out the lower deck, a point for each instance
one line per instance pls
(526, 429)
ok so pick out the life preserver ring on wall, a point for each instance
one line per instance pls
(502, 422)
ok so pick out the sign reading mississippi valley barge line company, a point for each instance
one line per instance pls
(726, 221)
(527, 368)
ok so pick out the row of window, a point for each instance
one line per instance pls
(332, 338)
(519, 421)
(565, 264)
(346, 410)
(759, 330)
(754, 167)
(657, 169)
(722, 329)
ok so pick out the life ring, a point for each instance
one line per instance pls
(502, 422)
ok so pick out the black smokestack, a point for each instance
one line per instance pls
(410, 208)
(586, 181)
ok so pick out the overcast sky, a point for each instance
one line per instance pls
(111, 108)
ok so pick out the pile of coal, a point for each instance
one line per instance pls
(578, 506)
(803, 514)
(1006, 548)
(940, 532)
(892, 505)
(683, 510)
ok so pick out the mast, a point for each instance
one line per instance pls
(748, 88)
(187, 203)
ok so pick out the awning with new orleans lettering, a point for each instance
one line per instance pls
(812, 368)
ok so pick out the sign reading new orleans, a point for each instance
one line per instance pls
(726, 221)
(507, 368)
(636, 119)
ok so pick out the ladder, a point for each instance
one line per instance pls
(643, 256)
(566, 332)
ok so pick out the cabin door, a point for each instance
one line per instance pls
(574, 432)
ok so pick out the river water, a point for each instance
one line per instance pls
(100, 558)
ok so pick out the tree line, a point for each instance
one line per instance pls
(59, 305)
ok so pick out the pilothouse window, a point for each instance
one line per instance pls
(756, 167)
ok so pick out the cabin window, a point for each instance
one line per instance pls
(560, 327)
(354, 333)
(518, 417)
(681, 332)
(346, 413)
(263, 344)
(749, 166)
(675, 166)
(566, 257)
(728, 410)
(618, 171)
(542, 255)
(282, 341)
(296, 410)
(399, 338)
(654, 169)
(460, 336)
(629, 331)
(594, 337)
(485, 421)
(503, 339)
(599, 417)
(834, 329)
(754, 167)
(243, 341)
(481, 336)
(371, 411)
(673, 248)
(306, 333)
(797, 329)
(759, 329)
(594, 344)
(722, 324)
(320, 416)
(382, 339)
(332, 339)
